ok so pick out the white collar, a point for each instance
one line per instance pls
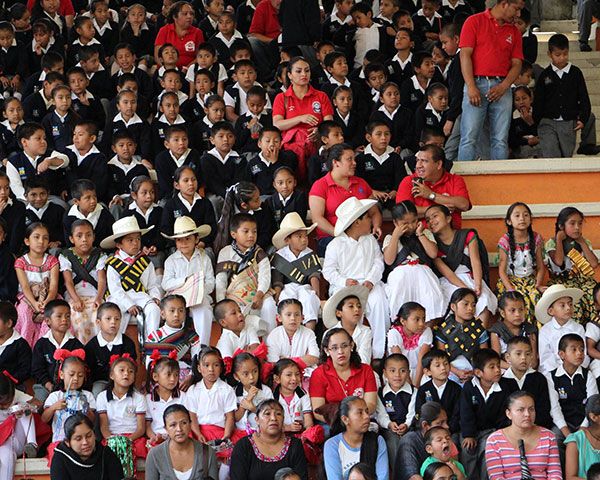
(344, 119)
(50, 337)
(404, 388)
(335, 19)
(180, 95)
(212, 22)
(435, 15)
(134, 206)
(380, 158)
(250, 4)
(181, 160)
(437, 114)
(179, 120)
(215, 153)
(236, 35)
(263, 159)
(388, 114)
(12, 339)
(118, 340)
(93, 41)
(75, 212)
(47, 101)
(61, 117)
(509, 373)
(558, 326)
(207, 121)
(123, 166)
(335, 82)
(13, 44)
(417, 85)
(44, 50)
(132, 121)
(187, 204)
(560, 371)
(32, 160)
(494, 388)
(6, 123)
(561, 71)
(201, 99)
(80, 157)
(38, 212)
(88, 95)
(446, 3)
(103, 28)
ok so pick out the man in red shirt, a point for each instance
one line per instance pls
(431, 184)
(491, 53)
(263, 35)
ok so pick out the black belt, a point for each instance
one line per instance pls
(490, 77)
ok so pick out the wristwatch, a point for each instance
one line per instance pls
(431, 196)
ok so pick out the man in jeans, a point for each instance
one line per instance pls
(491, 53)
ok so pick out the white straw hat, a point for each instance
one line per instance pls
(291, 223)
(185, 226)
(359, 291)
(121, 228)
(551, 295)
(348, 211)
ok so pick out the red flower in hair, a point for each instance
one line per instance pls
(61, 354)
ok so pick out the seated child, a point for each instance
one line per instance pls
(412, 90)
(291, 339)
(37, 105)
(13, 63)
(398, 117)
(87, 207)
(85, 160)
(236, 334)
(15, 357)
(128, 81)
(106, 30)
(138, 32)
(335, 26)
(168, 105)
(318, 73)
(513, 324)
(400, 66)
(125, 58)
(432, 114)
(213, 10)
(519, 357)
(286, 198)
(438, 444)
(395, 402)
(12, 112)
(340, 268)
(366, 35)
(387, 9)
(90, 61)
(60, 122)
(436, 367)
(375, 75)
(331, 133)
(108, 342)
(461, 334)
(204, 86)
(175, 154)
(235, 95)
(482, 409)
(57, 315)
(201, 131)
(224, 38)
(554, 311)
(83, 31)
(189, 272)
(84, 274)
(83, 101)
(411, 337)
(525, 76)
(248, 126)
(38, 276)
(13, 216)
(244, 271)
(530, 43)
(523, 136)
(38, 52)
(171, 82)
(261, 167)
(130, 275)
(441, 60)
(168, 58)
(40, 209)
(206, 59)
(428, 22)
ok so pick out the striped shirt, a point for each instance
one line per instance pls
(503, 460)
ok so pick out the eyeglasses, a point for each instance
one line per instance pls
(343, 346)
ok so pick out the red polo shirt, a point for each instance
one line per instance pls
(334, 195)
(450, 185)
(265, 20)
(325, 382)
(314, 102)
(65, 8)
(186, 46)
(494, 45)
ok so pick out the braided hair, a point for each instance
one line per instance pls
(511, 235)
(235, 195)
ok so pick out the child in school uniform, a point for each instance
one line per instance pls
(125, 58)
(214, 108)
(87, 207)
(38, 104)
(189, 272)
(204, 86)
(15, 357)
(83, 101)
(42, 45)
(237, 334)
(400, 66)
(13, 66)
(375, 76)
(249, 125)
(235, 95)
(138, 32)
(83, 30)
(482, 409)
(224, 38)
(91, 63)
(367, 35)
(428, 22)
(106, 30)
(432, 114)
(554, 311)
(168, 105)
(171, 82)
(398, 118)
(40, 209)
(206, 58)
(13, 215)
(353, 241)
(331, 132)
(130, 276)
(12, 111)
(286, 198)
(412, 90)
(60, 122)
(169, 57)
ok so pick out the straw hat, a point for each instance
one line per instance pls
(121, 228)
(291, 223)
(348, 211)
(329, 318)
(551, 295)
(185, 226)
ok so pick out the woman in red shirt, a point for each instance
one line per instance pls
(180, 33)
(298, 112)
(341, 374)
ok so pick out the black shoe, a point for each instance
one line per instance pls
(588, 149)
(584, 47)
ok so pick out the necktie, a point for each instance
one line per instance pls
(525, 473)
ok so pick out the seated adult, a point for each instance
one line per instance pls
(263, 34)
(330, 191)
(351, 442)
(583, 446)
(431, 184)
(522, 445)
(81, 457)
(180, 457)
(411, 452)
(341, 374)
(260, 455)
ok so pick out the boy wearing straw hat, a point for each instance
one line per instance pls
(296, 268)
(130, 277)
(554, 311)
(189, 273)
(354, 257)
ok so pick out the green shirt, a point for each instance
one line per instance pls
(432, 459)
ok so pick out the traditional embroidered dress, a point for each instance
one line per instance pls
(31, 325)
(183, 341)
(294, 275)
(409, 346)
(504, 334)
(521, 272)
(85, 279)
(411, 279)
(575, 272)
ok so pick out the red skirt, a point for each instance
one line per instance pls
(214, 432)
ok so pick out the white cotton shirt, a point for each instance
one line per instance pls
(249, 418)
(549, 336)
(210, 406)
(178, 268)
(264, 272)
(302, 343)
(121, 412)
(83, 288)
(20, 397)
(363, 338)
(155, 410)
(75, 402)
(365, 39)
(295, 410)
(229, 342)
(395, 340)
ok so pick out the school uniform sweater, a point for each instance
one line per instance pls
(202, 212)
(261, 171)
(143, 43)
(75, 47)
(26, 169)
(335, 30)
(535, 383)
(530, 46)
(12, 61)
(43, 364)
(222, 46)
(102, 222)
(158, 130)
(450, 400)
(107, 35)
(59, 131)
(317, 166)
(395, 405)
(423, 25)
(94, 111)
(427, 117)
(296, 202)
(519, 131)
(145, 87)
(50, 215)
(100, 84)
(449, 14)
(353, 128)
(245, 141)
(218, 174)
(15, 357)
(382, 172)
(33, 84)
(477, 413)
(98, 358)
(200, 135)
(397, 71)
(411, 94)
(14, 214)
(36, 106)
(401, 125)
(193, 108)
(152, 218)
(456, 84)
(92, 166)
(121, 175)
(166, 164)
(243, 16)
(361, 104)
(33, 60)
(138, 128)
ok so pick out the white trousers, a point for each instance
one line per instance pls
(146, 303)
(13, 447)
(306, 296)
(202, 315)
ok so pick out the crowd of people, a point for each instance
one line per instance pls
(159, 165)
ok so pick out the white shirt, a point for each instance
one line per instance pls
(134, 206)
(178, 268)
(383, 418)
(380, 158)
(126, 167)
(249, 418)
(16, 185)
(102, 342)
(122, 412)
(592, 331)
(229, 342)
(520, 381)
(12, 339)
(76, 402)
(391, 116)
(215, 153)
(494, 388)
(91, 217)
(243, 107)
(437, 114)
(39, 212)
(395, 340)
(549, 336)
(280, 345)
(211, 405)
(346, 258)
(561, 71)
(132, 121)
(264, 272)
(362, 336)
(295, 410)
(83, 288)
(155, 410)
(233, 38)
(365, 39)
(68, 336)
(191, 74)
(81, 157)
(402, 63)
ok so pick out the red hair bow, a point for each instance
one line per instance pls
(261, 351)
(114, 358)
(172, 355)
(228, 361)
(10, 377)
(61, 354)
(154, 357)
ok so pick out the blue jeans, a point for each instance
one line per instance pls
(472, 119)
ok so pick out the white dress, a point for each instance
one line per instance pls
(395, 340)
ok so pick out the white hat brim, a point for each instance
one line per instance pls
(281, 234)
(341, 225)
(329, 318)
(541, 308)
(202, 231)
(109, 242)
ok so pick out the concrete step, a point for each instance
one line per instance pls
(559, 26)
